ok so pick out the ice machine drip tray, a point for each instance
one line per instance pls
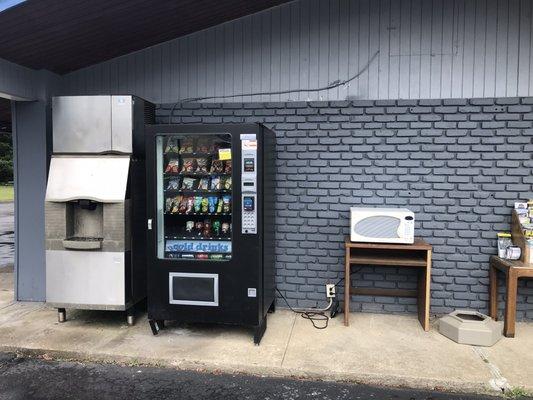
(82, 243)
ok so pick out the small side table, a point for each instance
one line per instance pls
(513, 271)
(416, 255)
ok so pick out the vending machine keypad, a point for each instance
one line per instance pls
(249, 223)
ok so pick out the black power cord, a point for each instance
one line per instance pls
(336, 307)
(320, 316)
(313, 316)
(332, 85)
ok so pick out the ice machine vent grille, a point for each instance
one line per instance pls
(149, 113)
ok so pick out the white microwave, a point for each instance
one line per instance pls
(382, 225)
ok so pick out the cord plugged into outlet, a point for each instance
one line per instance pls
(330, 290)
(315, 315)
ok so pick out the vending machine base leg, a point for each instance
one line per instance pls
(61, 315)
(259, 331)
(156, 325)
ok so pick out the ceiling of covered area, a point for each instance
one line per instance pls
(63, 36)
(5, 115)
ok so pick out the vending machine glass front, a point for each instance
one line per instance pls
(194, 197)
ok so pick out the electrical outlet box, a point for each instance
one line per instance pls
(330, 290)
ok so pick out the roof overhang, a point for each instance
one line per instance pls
(63, 36)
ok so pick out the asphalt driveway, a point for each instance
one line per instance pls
(24, 378)
(7, 236)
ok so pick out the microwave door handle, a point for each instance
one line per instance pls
(400, 226)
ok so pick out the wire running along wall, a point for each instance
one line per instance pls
(427, 49)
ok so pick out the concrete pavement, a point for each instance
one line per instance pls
(28, 379)
(6, 287)
(376, 349)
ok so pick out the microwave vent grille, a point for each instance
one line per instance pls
(378, 226)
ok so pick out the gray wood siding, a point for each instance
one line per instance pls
(427, 49)
(17, 81)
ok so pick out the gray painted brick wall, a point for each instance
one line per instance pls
(459, 164)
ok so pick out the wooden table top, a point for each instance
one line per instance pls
(510, 263)
(419, 244)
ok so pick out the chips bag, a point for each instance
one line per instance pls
(199, 227)
(173, 166)
(187, 145)
(201, 165)
(227, 183)
(226, 204)
(173, 184)
(220, 205)
(207, 228)
(203, 184)
(225, 228)
(197, 204)
(202, 145)
(216, 227)
(213, 147)
(189, 165)
(217, 166)
(227, 167)
(189, 205)
(182, 208)
(213, 204)
(205, 205)
(188, 183)
(215, 183)
(168, 204)
(172, 145)
(189, 226)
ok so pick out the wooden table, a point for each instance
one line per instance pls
(417, 255)
(513, 271)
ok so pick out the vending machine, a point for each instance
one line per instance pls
(210, 222)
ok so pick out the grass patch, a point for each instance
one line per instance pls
(6, 193)
(517, 393)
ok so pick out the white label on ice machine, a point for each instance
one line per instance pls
(249, 183)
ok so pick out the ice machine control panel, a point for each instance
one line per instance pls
(249, 183)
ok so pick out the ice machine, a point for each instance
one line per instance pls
(95, 205)
(210, 224)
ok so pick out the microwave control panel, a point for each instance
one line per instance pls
(249, 183)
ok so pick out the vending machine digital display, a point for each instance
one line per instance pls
(210, 224)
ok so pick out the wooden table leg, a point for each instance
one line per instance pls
(493, 292)
(424, 293)
(510, 304)
(347, 286)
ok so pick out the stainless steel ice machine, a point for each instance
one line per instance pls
(95, 204)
